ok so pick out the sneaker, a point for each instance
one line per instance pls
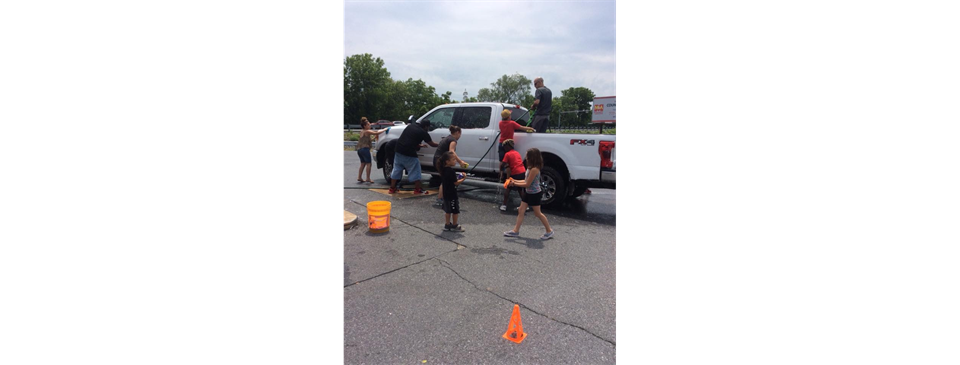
(455, 228)
(392, 191)
(511, 234)
(547, 236)
(503, 208)
(420, 192)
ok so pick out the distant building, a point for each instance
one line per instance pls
(464, 95)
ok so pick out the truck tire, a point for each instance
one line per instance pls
(578, 191)
(554, 187)
(387, 169)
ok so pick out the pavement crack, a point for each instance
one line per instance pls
(397, 269)
(421, 261)
(392, 217)
(436, 235)
(447, 265)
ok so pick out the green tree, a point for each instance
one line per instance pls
(511, 89)
(576, 98)
(365, 87)
(368, 91)
(445, 98)
(528, 100)
(556, 108)
(486, 95)
(420, 97)
(394, 106)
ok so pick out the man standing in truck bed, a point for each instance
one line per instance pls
(543, 103)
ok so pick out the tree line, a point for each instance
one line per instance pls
(369, 91)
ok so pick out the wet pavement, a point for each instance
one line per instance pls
(420, 293)
(598, 206)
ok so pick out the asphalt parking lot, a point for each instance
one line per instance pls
(418, 293)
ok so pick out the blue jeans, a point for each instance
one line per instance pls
(364, 154)
(402, 162)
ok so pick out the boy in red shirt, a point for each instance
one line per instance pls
(507, 127)
(514, 162)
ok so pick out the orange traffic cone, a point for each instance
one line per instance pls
(515, 328)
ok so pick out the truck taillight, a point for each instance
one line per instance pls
(606, 152)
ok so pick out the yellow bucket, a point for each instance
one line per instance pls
(378, 216)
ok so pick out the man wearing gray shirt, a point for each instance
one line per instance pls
(543, 103)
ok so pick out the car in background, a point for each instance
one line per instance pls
(398, 123)
(382, 123)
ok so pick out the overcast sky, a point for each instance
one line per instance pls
(457, 45)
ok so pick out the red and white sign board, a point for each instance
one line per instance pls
(605, 109)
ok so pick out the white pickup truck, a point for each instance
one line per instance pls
(572, 162)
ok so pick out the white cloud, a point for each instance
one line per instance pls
(454, 46)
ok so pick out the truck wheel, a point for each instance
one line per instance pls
(554, 187)
(578, 191)
(387, 169)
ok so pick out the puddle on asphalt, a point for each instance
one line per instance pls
(493, 251)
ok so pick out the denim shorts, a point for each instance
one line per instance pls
(364, 154)
(402, 162)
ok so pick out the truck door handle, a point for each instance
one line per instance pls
(484, 138)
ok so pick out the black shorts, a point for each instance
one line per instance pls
(451, 206)
(501, 151)
(532, 200)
